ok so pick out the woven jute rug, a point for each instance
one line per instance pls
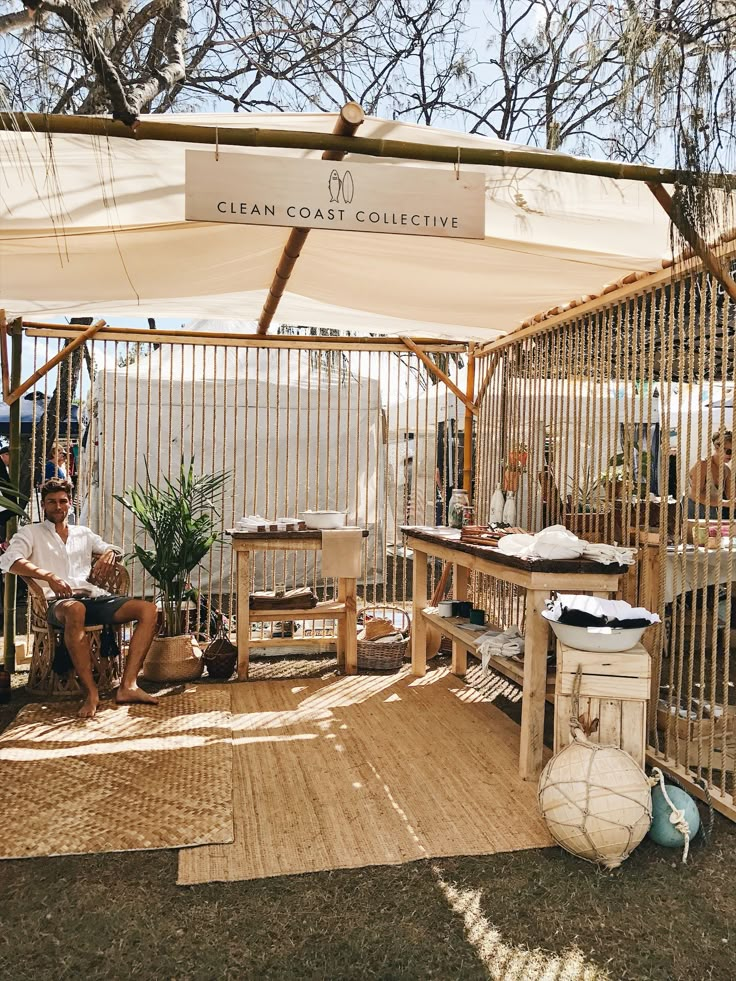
(134, 777)
(368, 770)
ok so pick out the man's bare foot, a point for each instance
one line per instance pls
(89, 707)
(125, 696)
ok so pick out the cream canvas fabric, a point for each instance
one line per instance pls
(90, 225)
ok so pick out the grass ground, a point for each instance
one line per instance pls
(525, 916)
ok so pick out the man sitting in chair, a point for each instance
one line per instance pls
(60, 556)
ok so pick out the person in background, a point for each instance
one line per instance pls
(59, 555)
(56, 463)
(709, 486)
(5, 516)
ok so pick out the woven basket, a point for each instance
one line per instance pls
(376, 656)
(220, 657)
(173, 659)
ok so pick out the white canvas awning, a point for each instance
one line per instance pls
(96, 226)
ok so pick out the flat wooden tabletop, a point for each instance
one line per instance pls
(492, 554)
(310, 534)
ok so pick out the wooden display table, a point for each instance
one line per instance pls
(539, 579)
(343, 610)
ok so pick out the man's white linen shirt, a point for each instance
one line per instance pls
(72, 562)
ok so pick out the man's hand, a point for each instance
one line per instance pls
(105, 564)
(61, 588)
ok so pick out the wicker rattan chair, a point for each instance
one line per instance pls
(42, 679)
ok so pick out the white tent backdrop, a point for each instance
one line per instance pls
(413, 451)
(91, 225)
(266, 417)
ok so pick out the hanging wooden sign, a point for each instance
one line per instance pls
(255, 189)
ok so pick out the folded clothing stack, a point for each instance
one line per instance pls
(608, 554)
(579, 610)
(291, 599)
(558, 543)
(509, 644)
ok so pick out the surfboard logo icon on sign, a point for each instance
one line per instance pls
(348, 187)
(334, 185)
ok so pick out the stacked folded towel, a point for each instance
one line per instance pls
(510, 643)
(608, 554)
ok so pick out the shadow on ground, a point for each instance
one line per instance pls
(523, 916)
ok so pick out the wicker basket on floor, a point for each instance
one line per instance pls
(374, 655)
(220, 657)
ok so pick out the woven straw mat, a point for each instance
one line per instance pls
(135, 777)
(368, 770)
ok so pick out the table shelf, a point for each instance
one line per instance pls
(322, 611)
(455, 627)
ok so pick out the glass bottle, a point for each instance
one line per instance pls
(458, 501)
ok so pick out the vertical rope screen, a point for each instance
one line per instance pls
(615, 407)
(363, 429)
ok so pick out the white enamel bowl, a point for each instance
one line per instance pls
(605, 640)
(323, 520)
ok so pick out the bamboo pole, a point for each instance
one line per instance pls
(287, 341)
(438, 373)
(468, 440)
(490, 372)
(614, 296)
(23, 387)
(714, 266)
(350, 118)
(9, 598)
(367, 146)
(4, 354)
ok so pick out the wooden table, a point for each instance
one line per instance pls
(343, 609)
(539, 579)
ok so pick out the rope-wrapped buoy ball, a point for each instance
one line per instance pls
(667, 828)
(596, 801)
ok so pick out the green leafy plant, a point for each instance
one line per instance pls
(14, 500)
(621, 469)
(180, 518)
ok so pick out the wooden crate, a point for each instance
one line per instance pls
(685, 735)
(614, 689)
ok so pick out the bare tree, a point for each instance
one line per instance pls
(131, 56)
(632, 79)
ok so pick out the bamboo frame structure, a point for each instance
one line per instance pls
(84, 335)
(285, 341)
(4, 361)
(368, 146)
(347, 123)
(700, 247)
(610, 396)
(470, 405)
(614, 294)
(9, 597)
(439, 373)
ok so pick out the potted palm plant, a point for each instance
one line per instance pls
(180, 521)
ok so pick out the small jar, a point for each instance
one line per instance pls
(468, 515)
(458, 501)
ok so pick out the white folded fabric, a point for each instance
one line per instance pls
(557, 542)
(608, 554)
(598, 607)
(510, 643)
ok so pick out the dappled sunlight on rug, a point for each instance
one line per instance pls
(134, 777)
(367, 770)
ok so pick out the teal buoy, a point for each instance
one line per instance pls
(663, 831)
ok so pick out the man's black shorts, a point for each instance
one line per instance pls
(97, 609)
